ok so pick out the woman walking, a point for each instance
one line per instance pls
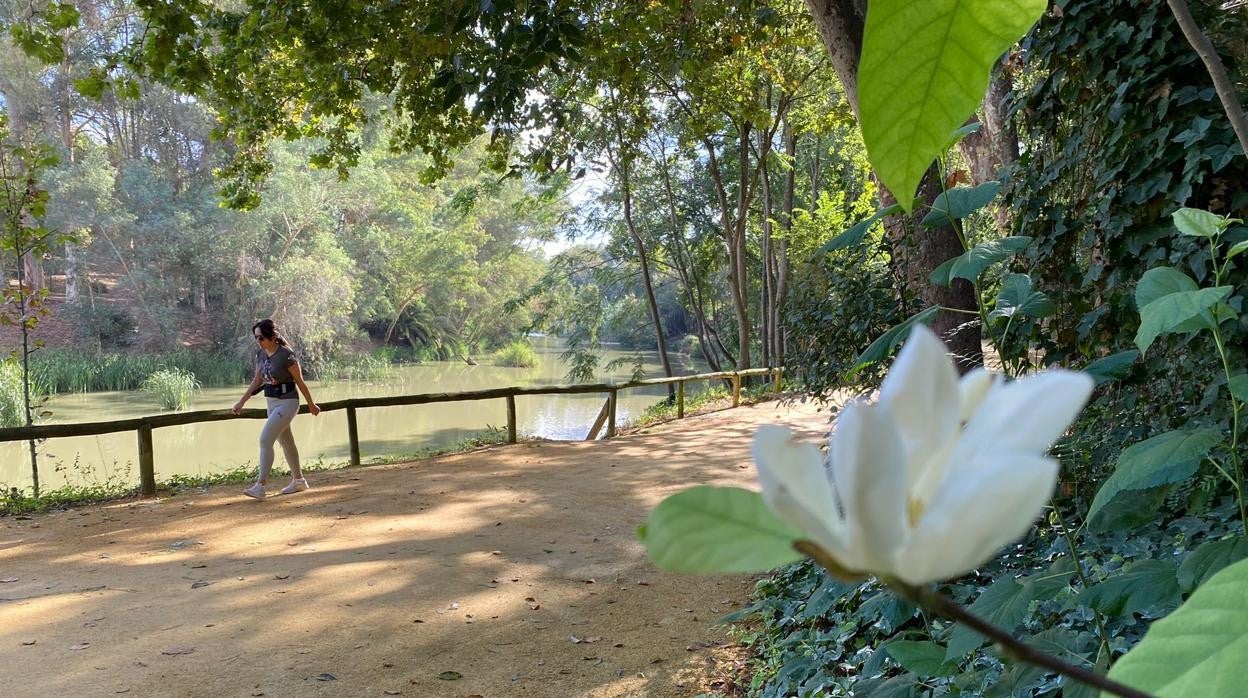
(278, 373)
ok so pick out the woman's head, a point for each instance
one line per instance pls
(266, 330)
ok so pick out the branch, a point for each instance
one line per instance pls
(1217, 71)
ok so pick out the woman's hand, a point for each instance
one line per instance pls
(238, 407)
(313, 409)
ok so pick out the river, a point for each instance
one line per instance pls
(215, 447)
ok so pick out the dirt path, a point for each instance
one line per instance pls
(515, 567)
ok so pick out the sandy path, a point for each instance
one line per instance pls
(486, 564)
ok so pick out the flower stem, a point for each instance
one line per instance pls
(941, 605)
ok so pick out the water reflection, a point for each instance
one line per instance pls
(213, 447)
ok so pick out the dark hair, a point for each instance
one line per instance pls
(268, 330)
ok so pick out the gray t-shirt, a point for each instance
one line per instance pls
(275, 370)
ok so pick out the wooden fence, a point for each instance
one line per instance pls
(144, 425)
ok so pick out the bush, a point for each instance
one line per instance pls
(172, 387)
(518, 354)
(104, 325)
(11, 412)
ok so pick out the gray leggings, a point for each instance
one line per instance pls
(282, 412)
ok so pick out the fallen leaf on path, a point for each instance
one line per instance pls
(281, 576)
(453, 607)
(80, 646)
(535, 606)
(450, 676)
(326, 677)
(200, 583)
(8, 580)
(198, 567)
(589, 581)
(177, 650)
(28, 643)
(303, 651)
(496, 552)
(393, 693)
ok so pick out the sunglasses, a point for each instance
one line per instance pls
(259, 338)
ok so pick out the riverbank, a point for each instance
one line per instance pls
(512, 570)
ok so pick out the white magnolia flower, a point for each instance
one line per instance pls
(934, 478)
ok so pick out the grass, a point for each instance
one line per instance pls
(364, 368)
(717, 397)
(68, 371)
(172, 387)
(518, 354)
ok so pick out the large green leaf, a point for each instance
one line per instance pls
(1161, 281)
(1209, 559)
(1112, 367)
(1017, 298)
(923, 71)
(1198, 223)
(1238, 385)
(960, 202)
(1170, 313)
(1199, 650)
(880, 348)
(1142, 585)
(1004, 604)
(1163, 459)
(854, 234)
(923, 658)
(970, 264)
(717, 529)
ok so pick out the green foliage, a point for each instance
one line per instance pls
(912, 100)
(69, 371)
(960, 202)
(12, 401)
(975, 261)
(1164, 459)
(171, 387)
(884, 345)
(518, 354)
(1197, 650)
(717, 529)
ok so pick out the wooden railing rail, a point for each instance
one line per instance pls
(144, 425)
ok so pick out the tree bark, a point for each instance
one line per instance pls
(782, 252)
(917, 250)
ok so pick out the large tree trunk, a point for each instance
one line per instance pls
(916, 250)
(782, 251)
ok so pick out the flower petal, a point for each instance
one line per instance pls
(973, 387)
(869, 472)
(921, 392)
(972, 518)
(796, 487)
(1025, 415)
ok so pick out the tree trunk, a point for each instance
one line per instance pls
(916, 250)
(767, 299)
(782, 252)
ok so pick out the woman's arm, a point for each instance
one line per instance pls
(296, 374)
(256, 380)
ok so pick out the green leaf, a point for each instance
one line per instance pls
(1209, 559)
(1238, 386)
(1170, 313)
(62, 16)
(1198, 223)
(970, 264)
(960, 202)
(1163, 459)
(957, 136)
(923, 658)
(881, 347)
(1200, 649)
(717, 529)
(1159, 282)
(1112, 367)
(1237, 248)
(857, 232)
(1017, 298)
(1004, 604)
(1144, 584)
(923, 71)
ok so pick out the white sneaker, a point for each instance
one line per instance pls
(297, 485)
(256, 491)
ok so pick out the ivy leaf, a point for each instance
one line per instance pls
(1159, 282)
(1198, 223)
(1112, 367)
(717, 529)
(923, 71)
(1209, 559)
(1004, 604)
(1200, 649)
(1170, 313)
(923, 658)
(1142, 585)
(881, 347)
(960, 202)
(1163, 459)
(854, 235)
(1017, 298)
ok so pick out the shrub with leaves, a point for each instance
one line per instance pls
(172, 387)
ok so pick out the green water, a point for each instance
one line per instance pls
(203, 449)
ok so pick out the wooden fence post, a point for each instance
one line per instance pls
(611, 400)
(778, 372)
(680, 400)
(736, 390)
(353, 435)
(147, 463)
(511, 419)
